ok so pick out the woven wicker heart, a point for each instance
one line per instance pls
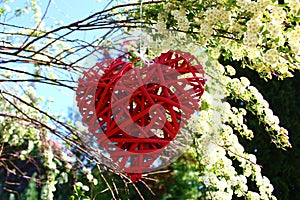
(136, 112)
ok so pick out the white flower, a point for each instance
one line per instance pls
(250, 39)
(237, 52)
(89, 177)
(79, 184)
(212, 15)
(168, 7)
(271, 56)
(215, 53)
(85, 188)
(245, 81)
(258, 178)
(277, 14)
(253, 195)
(247, 170)
(230, 70)
(252, 53)
(225, 16)
(222, 184)
(274, 29)
(294, 5)
(283, 131)
(254, 25)
(253, 90)
(95, 181)
(243, 3)
(252, 158)
(206, 30)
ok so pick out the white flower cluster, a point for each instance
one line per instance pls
(50, 186)
(241, 89)
(217, 150)
(294, 40)
(222, 178)
(250, 39)
(236, 120)
(21, 132)
(294, 6)
(271, 56)
(259, 25)
(89, 176)
(182, 21)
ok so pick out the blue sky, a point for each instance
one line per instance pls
(66, 11)
(62, 11)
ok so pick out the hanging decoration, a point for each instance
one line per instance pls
(135, 112)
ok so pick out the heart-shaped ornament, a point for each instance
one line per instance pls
(136, 112)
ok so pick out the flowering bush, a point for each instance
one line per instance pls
(263, 36)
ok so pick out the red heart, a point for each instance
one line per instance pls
(115, 99)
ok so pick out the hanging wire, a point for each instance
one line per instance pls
(141, 53)
(141, 24)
